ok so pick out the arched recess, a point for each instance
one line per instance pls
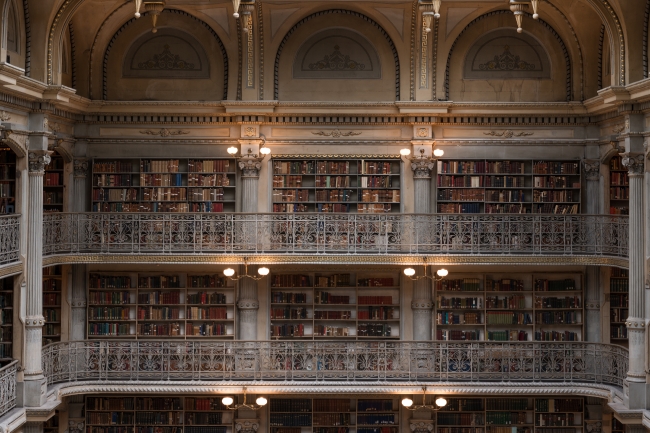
(365, 35)
(174, 61)
(14, 36)
(516, 87)
(616, 38)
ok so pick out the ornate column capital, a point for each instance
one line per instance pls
(592, 169)
(80, 167)
(421, 425)
(250, 166)
(247, 425)
(38, 159)
(422, 168)
(634, 163)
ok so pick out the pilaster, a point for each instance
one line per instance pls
(250, 164)
(636, 320)
(422, 307)
(593, 301)
(33, 427)
(249, 38)
(248, 305)
(422, 165)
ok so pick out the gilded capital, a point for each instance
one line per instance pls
(80, 167)
(38, 159)
(634, 163)
(592, 169)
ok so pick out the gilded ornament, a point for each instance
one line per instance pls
(164, 132)
(337, 133)
(508, 134)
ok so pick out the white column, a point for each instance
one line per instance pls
(250, 176)
(35, 385)
(636, 320)
(248, 305)
(33, 427)
(78, 296)
(422, 184)
(593, 290)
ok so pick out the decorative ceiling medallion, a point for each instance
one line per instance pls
(164, 132)
(337, 133)
(509, 134)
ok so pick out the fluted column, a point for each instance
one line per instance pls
(636, 319)
(422, 184)
(34, 381)
(33, 427)
(593, 300)
(250, 167)
(78, 296)
(248, 305)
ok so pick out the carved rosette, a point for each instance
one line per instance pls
(421, 426)
(592, 169)
(247, 425)
(423, 304)
(250, 166)
(80, 167)
(38, 159)
(248, 310)
(422, 168)
(594, 426)
(634, 163)
(592, 306)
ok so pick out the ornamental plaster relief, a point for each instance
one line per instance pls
(496, 134)
(164, 133)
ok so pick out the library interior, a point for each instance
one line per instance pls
(324, 216)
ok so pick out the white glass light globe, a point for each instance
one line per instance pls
(229, 272)
(405, 152)
(263, 271)
(227, 401)
(409, 272)
(438, 152)
(441, 402)
(261, 401)
(265, 151)
(442, 272)
(232, 150)
(236, 15)
(407, 402)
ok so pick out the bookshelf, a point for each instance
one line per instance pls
(52, 284)
(6, 319)
(331, 305)
(53, 185)
(52, 424)
(164, 414)
(170, 185)
(7, 181)
(619, 187)
(618, 305)
(508, 186)
(336, 185)
(617, 426)
(509, 307)
(316, 415)
(142, 305)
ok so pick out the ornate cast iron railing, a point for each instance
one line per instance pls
(8, 387)
(558, 235)
(9, 239)
(341, 361)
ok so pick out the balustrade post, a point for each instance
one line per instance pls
(593, 290)
(78, 295)
(636, 320)
(34, 381)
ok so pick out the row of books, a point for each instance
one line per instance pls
(556, 336)
(52, 179)
(289, 313)
(109, 298)
(461, 419)
(506, 418)
(554, 420)
(376, 181)
(162, 329)
(110, 418)
(161, 179)
(293, 195)
(112, 167)
(619, 179)
(556, 302)
(168, 418)
(335, 195)
(158, 403)
(114, 180)
(619, 285)
(208, 165)
(288, 298)
(558, 405)
(6, 317)
(206, 329)
(157, 297)
(618, 331)
(459, 208)
(375, 300)
(461, 195)
(373, 330)
(373, 209)
(449, 335)
(376, 313)
(379, 195)
(619, 315)
(192, 403)
(108, 313)
(496, 167)
(205, 418)
(158, 313)
(210, 313)
(51, 285)
(6, 300)
(208, 180)
(555, 182)
(510, 302)
(513, 335)
(295, 181)
(333, 167)
(322, 297)
(504, 285)
(619, 193)
(51, 299)
(103, 403)
(459, 303)
(464, 284)
(557, 318)
(52, 197)
(505, 196)
(332, 315)
(97, 281)
(566, 284)
(204, 298)
(507, 318)
(124, 194)
(554, 167)
(108, 329)
(51, 315)
(505, 208)
(448, 318)
(555, 196)
(159, 166)
(331, 331)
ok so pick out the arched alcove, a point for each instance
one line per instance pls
(13, 37)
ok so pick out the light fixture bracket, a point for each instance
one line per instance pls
(252, 406)
(431, 407)
(245, 274)
(435, 277)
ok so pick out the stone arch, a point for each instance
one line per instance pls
(315, 15)
(14, 37)
(166, 13)
(556, 36)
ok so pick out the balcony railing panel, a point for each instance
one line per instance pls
(8, 387)
(385, 234)
(336, 361)
(9, 239)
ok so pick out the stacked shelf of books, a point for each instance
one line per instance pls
(618, 427)
(319, 305)
(52, 284)
(559, 415)
(7, 181)
(509, 307)
(170, 185)
(334, 415)
(492, 186)
(618, 305)
(52, 424)
(619, 188)
(154, 305)
(337, 185)
(53, 185)
(6, 319)
(165, 414)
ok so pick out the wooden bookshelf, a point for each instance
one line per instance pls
(330, 305)
(340, 415)
(52, 285)
(508, 186)
(160, 414)
(336, 185)
(53, 185)
(618, 427)
(509, 307)
(619, 188)
(142, 305)
(618, 305)
(6, 319)
(170, 185)
(7, 181)
(52, 424)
